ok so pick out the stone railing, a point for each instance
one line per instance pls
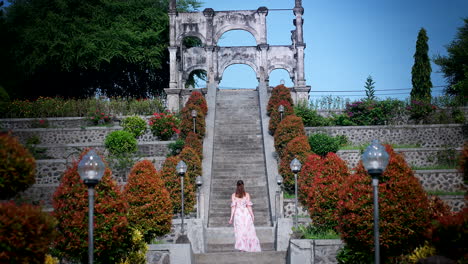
(426, 136)
(317, 251)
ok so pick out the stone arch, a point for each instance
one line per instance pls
(248, 63)
(187, 73)
(285, 67)
(191, 34)
(227, 28)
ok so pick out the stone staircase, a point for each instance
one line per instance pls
(237, 155)
(272, 257)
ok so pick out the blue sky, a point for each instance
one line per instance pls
(350, 40)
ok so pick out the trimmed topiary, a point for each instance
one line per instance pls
(319, 182)
(197, 98)
(297, 148)
(172, 182)
(278, 94)
(288, 129)
(275, 115)
(135, 125)
(17, 167)
(186, 124)
(193, 141)
(403, 208)
(321, 144)
(121, 142)
(111, 228)
(149, 201)
(26, 233)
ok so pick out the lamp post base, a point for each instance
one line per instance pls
(183, 239)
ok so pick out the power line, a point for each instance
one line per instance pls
(377, 90)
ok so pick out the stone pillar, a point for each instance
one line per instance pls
(263, 66)
(173, 67)
(172, 101)
(185, 94)
(209, 46)
(263, 12)
(300, 91)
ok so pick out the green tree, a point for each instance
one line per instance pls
(421, 71)
(75, 48)
(370, 88)
(455, 64)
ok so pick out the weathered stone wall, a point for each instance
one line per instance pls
(427, 136)
(415, 157)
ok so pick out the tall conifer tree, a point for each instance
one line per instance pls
(421, 71)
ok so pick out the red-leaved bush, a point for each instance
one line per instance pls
(112, 236)
(149, 201)
(287, 130)
(403, 208)
(197, 98)
(449, 235)
(275, 115)
(172, 182)
(296, 148)
(278, 94)
(193, 161)
(17, 167)
(186, 124)
(194, 142)
(26, 233)
(319, 182)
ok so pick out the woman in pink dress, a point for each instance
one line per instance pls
(242, 214)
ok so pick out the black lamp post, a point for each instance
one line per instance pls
(199, 182)
(279, 181)
(281, 111)
(375, 160)
(194, 116)
(181, 170)
(295, 168)
(91, 169)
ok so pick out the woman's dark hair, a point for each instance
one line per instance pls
(240, 192)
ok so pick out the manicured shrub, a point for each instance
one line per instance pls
(135, 125)
(296, 148)
(275, 115)
(120, 142)
(278, 94)
(112, 236)
(186, 125)
(373, 112)
(26, 233)
(197, 98)
(320, 180)
(309, 116)
(449, 235)
(175, 147)
(403, 208)
(288, 129)
(321, 144)
(193, 141)
(149, 201)
(420, 110)
(172, 182)
(164, 125)
(17, 167)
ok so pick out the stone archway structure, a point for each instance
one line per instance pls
(209, 26)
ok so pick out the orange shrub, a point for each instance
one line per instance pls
(194, 142)
(288, 129)
(197, 98)
(403, 208)
(320, 180)
(26, 233)
(150, 206)
(172, 182)
(186, 125)
(275, 115)
(278, 94)
(296, 148)
(17, 167)
(112, 236)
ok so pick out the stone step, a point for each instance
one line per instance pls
(225, 235)
(268, 257)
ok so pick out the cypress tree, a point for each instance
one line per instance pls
(421, 71)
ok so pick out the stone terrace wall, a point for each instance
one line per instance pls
(427, 136)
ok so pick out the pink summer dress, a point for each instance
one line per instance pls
(244, 230)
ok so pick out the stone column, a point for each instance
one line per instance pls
(172, 101)
(263, 12)
(209, 46)
(263, 65)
